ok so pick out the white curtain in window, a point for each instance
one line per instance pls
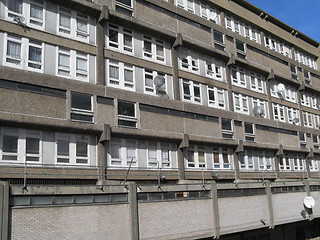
(64, 60)
(15, 6)
(82, 25)
(36, 11)
(114, 72)
(14, 49)
(127, 40)
(65, 21)
(128, 75)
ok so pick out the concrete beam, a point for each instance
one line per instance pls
(134, 214)
(4, 210)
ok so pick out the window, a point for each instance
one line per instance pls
(24, 53)
(240, 103)
(127, 114)
(238, 77)
(158, 155)
(242, 29)
(286, 92)
(218, 37)
(189, 61)
(306, 75)
(185, 4)
(307, 119)
(305, 59)
(210, 14)
(246, 160)
(120, 38)
(249, 132)
(241, 49)
(278, 112)
(214, 69)
(314, 165)
(257, 83)
(284, 162)
(265, 160)
(196, 157)
(150, 86)
(20, 145)
(227, 129)
(72, 149)
(153, 49)
(302, 139)
(217, 97)
(293, 116)
(73, 24)
(121, 75)
(298, 162)
(260, 108)
(81, 107)
(191, 91)
(72, 64)
(221, 158)
(29, 12)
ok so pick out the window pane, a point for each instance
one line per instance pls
(63, 147)
(125, 2)
(65, 21)
(126, 109)
(15, 6)
(10, 144)
(218, 36)
(82, 25)
(82, 64)
(36, 12)
(114, 72)
(128, 75)
(32, 145)
(14, 49)
(64, 60)
(113, 36)
(82, 149)
(80, 101)
(226, 125)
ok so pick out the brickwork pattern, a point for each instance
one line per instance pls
(169, 220)
(72, 222)
(242, 213)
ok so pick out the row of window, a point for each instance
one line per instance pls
(33, 13)
(285, 114)
(311, 120)
(28, 54)
(277, 46)
(31, 146)
(127, 41)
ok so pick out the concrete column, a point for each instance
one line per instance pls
(175, 74)
(134, 214)
(4, 210)
(214, 195)
(100, 67)
(228, 79)
(270, 204)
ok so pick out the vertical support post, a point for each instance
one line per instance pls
(134, 214)
(214, 195)
(4, 210)
(270, 204)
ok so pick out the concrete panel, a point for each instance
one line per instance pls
(316, 209)
(202, 128)
(32, 104)
(242, 213)
(50, 63)
(2, 47)
(287, 207)
(76, 222)
(103, 114)
(176, 219)
(92, 69)
(48, 149)
(159, 122)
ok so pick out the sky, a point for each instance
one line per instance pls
(302, 15)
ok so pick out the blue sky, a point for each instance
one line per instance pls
(303, 15)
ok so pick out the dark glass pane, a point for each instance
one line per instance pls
(226, 125)
(126, 109)
(10, 144)
(63, 147)
(81, 117)
(82, 149)
(125, 2)
(248, 128)
(218, 36)
(81, 101)
(33, 145)
(240, 46)
(126, 123)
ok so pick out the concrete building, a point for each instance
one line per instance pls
(155, 119)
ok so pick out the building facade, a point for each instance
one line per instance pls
(144, 108)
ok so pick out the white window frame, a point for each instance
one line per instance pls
(72, 31)
(21, 155)
(123, 161)
(220, 98)
(257, 82)
(293, 114)
(153, 89)
(25, 15)
(263, 105)
(286, 163)
(72, 71)
(265, 161)
(120, 45)
(223, 157)
(277, 110)
(243, 106)
(23, 61)
(153, 54)
(215, 69)
(159, 162)
(238, 77)
(120, 83)
(307, 119)
(191, 97)
(196, 164)
(192, 61)
(247, 160)
(314, 165)
(127, 118)
(298, 163)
